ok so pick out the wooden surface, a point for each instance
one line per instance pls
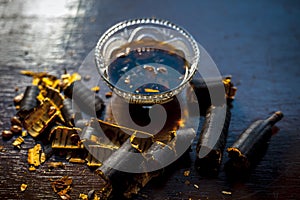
(258, 43)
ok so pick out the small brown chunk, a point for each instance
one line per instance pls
(15, 129)
(15, 121)
(86, 77)
(6, 134)
(108, 94)
(18, 99)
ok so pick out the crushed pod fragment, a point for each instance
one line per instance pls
(36, 156)
(62, 187)
(18, 141)
(62, 137)
(38, 120)
(53, 95)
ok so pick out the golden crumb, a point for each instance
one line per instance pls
(186, 173)
(23, 187)
(226, 192)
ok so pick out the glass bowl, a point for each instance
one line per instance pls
(146, 61)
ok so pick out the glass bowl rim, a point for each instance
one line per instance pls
(146, 21)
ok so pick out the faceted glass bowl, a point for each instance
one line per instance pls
(136, 34)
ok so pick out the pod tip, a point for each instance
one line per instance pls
(279, 114)
(233, 152)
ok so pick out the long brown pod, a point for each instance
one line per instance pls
(212, 140)
(245, 150)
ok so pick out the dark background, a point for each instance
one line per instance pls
(257, 42)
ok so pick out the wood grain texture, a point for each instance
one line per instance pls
(258, 43)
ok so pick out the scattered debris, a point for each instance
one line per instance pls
(44, 114)
(17, 143)
(62, 187)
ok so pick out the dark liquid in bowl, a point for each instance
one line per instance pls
(147, 70)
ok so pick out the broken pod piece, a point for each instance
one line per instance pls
(210, 89)
(38, 120)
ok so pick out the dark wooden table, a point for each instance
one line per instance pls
(257, 42)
